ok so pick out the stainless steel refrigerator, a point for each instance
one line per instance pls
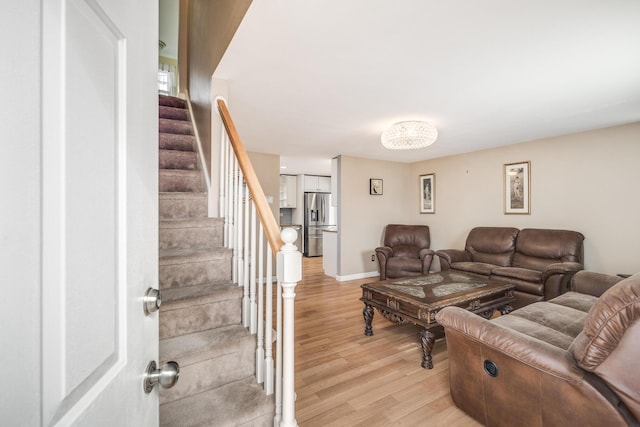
(318, 216)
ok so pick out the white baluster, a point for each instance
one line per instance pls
(253, 306)
(261, 302)
(240, 229)
(228, 223)
(268, 361)
(278, 361)
(289, 274)
(235, 222)
(223, 174)
(246, 303)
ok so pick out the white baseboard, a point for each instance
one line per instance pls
(357, 276)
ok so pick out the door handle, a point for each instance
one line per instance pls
(151, 301)
(167, 377)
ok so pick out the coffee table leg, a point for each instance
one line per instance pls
(428, 340)
(367, 312)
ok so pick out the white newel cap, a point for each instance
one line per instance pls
(289, 236)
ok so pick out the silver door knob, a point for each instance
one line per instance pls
(151, 301)
(167, 377)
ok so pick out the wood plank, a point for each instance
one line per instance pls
(344, 378)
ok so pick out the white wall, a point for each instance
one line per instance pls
(267, 167)
(220, 88)
(168, 27)
(584, 182)
(361, 216)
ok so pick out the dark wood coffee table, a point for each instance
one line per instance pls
(418, 299)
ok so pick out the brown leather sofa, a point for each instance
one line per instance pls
(405, 252)
(540, 262)
(570, 361)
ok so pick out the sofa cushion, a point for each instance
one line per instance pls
(407, 235)
(537, 248)
(492, 245)
(532, 288)
(401, 267)
(406, 251)
(575, 300)
(554, 324)
(473, 267)
(525, 274)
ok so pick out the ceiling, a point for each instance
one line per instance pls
(168, 12)
(310, 80)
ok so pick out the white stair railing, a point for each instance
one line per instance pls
(248, 220)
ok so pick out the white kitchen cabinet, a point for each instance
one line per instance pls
(316, 183)
(288, 191)
(324, 184)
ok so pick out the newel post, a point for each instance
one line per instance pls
(289, 274)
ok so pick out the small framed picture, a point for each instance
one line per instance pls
(517, 186)
(428, 193)
(375, 186)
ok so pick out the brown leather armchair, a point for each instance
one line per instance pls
(568, 361)
(405, 252)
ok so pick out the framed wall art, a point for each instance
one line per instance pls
(517, 188)
(428, 193)
(375, 186)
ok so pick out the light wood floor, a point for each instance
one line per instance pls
(344, 378)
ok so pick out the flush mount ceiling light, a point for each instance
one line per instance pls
(409, 135)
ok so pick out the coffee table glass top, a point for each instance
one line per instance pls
(435, 286)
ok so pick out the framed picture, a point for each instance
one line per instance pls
(375, 186)
(428, 193)
(517, 185)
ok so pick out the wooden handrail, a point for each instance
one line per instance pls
(271, 228)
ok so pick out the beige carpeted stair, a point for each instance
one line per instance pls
(200, 317)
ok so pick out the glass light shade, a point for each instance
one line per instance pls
(409, 135)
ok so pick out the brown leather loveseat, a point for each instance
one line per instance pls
(540, 262)
(405, 252)
(570, 361)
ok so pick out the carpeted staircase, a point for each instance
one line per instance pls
(200, 316)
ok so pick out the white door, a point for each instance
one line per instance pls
(99, 211)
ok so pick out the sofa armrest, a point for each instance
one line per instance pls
(561, 268)
(383, 253)
(557, 276)
(535, 353)
(426, 255)
(591, 283)
(449, 256)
